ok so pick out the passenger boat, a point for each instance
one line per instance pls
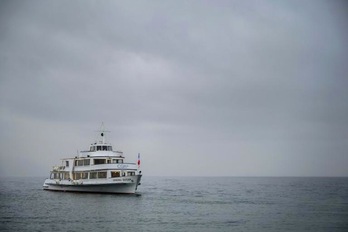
(98, 170)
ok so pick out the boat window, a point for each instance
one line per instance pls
(77, 175)
(98, 148)
(92, 148)
(66, 176)
(55, 175)
(84, 175)
(79, 162)
(109, 148)
(101, 175)
(115, 174)
(99, 161)
(116, 161)
(131, 174)
(82, 162)
(67, 163)
(93, 175)
(86, 162)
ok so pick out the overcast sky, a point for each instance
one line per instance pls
(199, 88)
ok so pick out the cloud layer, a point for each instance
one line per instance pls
(198, 87)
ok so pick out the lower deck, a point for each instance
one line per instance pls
(125, 184)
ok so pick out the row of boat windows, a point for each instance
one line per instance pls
(89, 175)
(87, 162)
(100, 148)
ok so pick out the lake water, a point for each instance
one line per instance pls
(181, 204)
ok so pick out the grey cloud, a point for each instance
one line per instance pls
(179, 79)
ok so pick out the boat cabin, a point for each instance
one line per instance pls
(100, 148)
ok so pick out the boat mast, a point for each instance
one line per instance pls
(102, 132)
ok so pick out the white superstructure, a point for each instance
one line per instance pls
(100, 170)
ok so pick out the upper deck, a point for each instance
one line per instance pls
(101, 148)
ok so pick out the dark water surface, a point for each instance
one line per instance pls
(181, 204)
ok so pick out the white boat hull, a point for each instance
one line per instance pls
(112, 185)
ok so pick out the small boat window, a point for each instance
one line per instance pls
(99, 148)
(92, 148)
(97, 175)
(131, 174)
(99, 161)
(105, 148)
(77, 175)
(78, 162)
(86, 162)
(109, 148)
(82, 162)
(115, 174)
(101, 175)
(93, 175)
(84, 175)
(55, 175)
(67, 163)
(66, 176)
